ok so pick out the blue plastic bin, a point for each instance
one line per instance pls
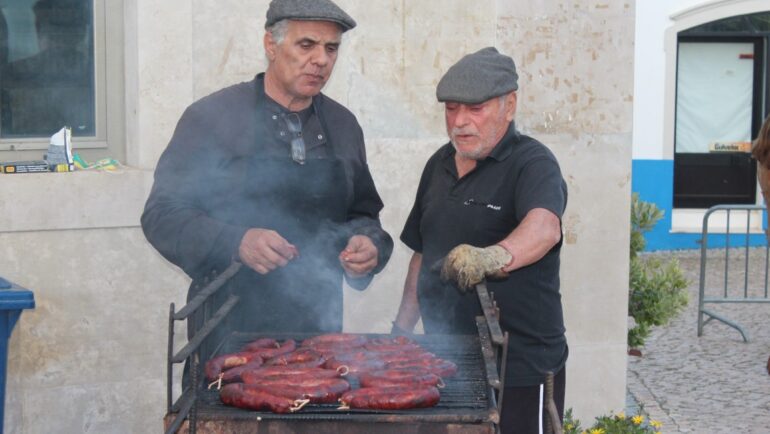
(12, 300)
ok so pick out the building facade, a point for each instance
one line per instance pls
(701, 93)
(91, 357)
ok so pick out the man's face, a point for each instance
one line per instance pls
(303, 62)
(475, 129)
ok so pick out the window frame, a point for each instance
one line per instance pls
(109, 139)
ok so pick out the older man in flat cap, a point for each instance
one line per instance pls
(489, 206)
(273, 174)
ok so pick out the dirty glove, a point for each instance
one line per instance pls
(467, 265)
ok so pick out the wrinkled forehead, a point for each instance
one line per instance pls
(326, 31)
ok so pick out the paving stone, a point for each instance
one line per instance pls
(714, 383)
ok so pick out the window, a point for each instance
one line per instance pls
(721, 99)
(61, 64)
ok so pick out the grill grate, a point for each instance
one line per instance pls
(466, 396)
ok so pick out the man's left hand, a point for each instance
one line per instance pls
(359, 257)
(467, 265)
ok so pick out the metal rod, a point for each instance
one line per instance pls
(207, 290)
(486, 349)
(207, 328)
(767, 259)
(736, 300)
(184, 410)
(746, 261)
(732, 324)
(195, 378)
(703, 259)
(169, 354)
(727, 250)
(493, 322)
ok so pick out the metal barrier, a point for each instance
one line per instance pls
(725, 296)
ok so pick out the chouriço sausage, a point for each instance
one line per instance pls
(390, 398)
(280, 372)
(241, 396)
(399, 378)
(261, 343)
(336, 339)
(316, 390)
(215, 366)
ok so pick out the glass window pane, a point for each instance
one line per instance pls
(715, 84)
(46, 68)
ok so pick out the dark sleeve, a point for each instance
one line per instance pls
(411, 235)
(175, 220)
(540, 185)
(364, 215)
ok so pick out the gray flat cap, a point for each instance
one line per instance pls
(478, 77)
(308, 10)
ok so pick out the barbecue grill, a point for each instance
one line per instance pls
(469, 402)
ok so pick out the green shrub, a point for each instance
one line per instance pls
(656, 289)
(616, 424)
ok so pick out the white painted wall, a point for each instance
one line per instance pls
(90, 358)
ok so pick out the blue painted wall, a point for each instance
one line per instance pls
(654, 181)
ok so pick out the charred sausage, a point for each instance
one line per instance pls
(336, 339)
(303, 355)
(399, 378)
(316, 390)
(442, 368)
(215, 366)
(391, 398)
(261, 343)
(238, 395)
(279, 372)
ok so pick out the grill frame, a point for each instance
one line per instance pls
(198, 409)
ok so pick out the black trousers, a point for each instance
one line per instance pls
(522, 407)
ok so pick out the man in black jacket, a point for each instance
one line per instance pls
(273, 173)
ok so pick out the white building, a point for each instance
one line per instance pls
(701, 91)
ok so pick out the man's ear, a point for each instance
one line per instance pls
(510, 106)
(270, 46)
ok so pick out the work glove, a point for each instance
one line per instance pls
(468, 266)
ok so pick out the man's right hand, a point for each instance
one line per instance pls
(264, 250)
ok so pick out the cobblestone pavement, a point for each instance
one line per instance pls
(715, 383)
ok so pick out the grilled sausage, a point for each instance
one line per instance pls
(316, 390)
(442, 368)
(258, 375)
(215, 366)
(391, 398)
(286, 347)
(399, 378)
(238, 395)
(356, 367)
(261, 343)
(336, 339)
(303, 355)
(233, 375)
(398, 340)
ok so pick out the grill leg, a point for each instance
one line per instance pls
(552, 422)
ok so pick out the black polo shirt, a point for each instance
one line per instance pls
(481, 209)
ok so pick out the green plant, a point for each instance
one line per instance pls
(613, 424)
(656, 289)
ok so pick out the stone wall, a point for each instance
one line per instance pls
(91, 357)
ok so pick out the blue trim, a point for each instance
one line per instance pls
(654, 181)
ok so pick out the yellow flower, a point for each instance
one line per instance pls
(621, 415)
(657, 432)
(637, 420)
(656, 424)
(597, 431)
